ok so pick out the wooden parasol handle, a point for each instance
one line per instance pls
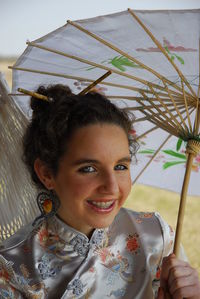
(193, 148)
(182, 205)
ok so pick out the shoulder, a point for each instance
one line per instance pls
(153, 218)
(149, 225)
(142, 223)
(19, 238)
(141, 219)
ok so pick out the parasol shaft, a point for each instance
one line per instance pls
(182, 205)
(185, 189)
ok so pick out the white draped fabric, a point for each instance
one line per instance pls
(17, 195)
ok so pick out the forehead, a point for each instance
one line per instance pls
(98, 139)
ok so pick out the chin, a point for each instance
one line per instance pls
(102, 220)
(104, 223)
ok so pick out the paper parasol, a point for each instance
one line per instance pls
(155, 71)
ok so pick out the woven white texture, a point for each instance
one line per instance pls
(17, 194)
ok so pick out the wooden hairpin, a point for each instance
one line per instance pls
(34, 94)
(45, 98)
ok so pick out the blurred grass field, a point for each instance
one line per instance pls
(143, 198)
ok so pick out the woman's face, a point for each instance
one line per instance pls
(93, 179)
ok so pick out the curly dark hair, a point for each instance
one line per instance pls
(54, 121)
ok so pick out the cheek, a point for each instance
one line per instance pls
(81, 186)
(125, 186)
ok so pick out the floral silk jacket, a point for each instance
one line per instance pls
(55, 261)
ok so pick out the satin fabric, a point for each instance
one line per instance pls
(55, 261)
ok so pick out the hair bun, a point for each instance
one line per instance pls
(37, 105)
(55, 93)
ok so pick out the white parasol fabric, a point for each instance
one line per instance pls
(80, 52)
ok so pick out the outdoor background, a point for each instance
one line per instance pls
(21, 20)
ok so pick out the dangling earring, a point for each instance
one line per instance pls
(48, 203)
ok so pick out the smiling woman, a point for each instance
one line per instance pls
(78, 150)
(94, 172)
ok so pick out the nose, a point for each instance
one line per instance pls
(109, 183)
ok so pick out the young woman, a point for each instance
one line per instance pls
(78, 150)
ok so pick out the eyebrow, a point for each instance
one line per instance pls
(85, 161)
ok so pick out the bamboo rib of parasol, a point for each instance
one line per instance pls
(186, 106)
(141, 119)
(111, 46)
(173, 119)
(156, 119)
(147, 132)
(171, 97)
(167, 100)
(158, 44)
(97, 65)
(45, 98)
(150, 106)
(165, 106)
(156, 152)
(167, 111)
(86, 80)
(152, 158)
(196, 125)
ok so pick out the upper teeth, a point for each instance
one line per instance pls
(102, 204)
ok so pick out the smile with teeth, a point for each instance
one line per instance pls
(102, 204)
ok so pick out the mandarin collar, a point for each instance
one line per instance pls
(76, 239)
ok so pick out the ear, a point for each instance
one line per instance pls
(44, 174)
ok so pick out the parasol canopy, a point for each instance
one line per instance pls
(82, 51)
(154, 57)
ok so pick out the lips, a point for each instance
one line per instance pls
(101, 206)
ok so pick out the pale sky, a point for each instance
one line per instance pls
(30, 19)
